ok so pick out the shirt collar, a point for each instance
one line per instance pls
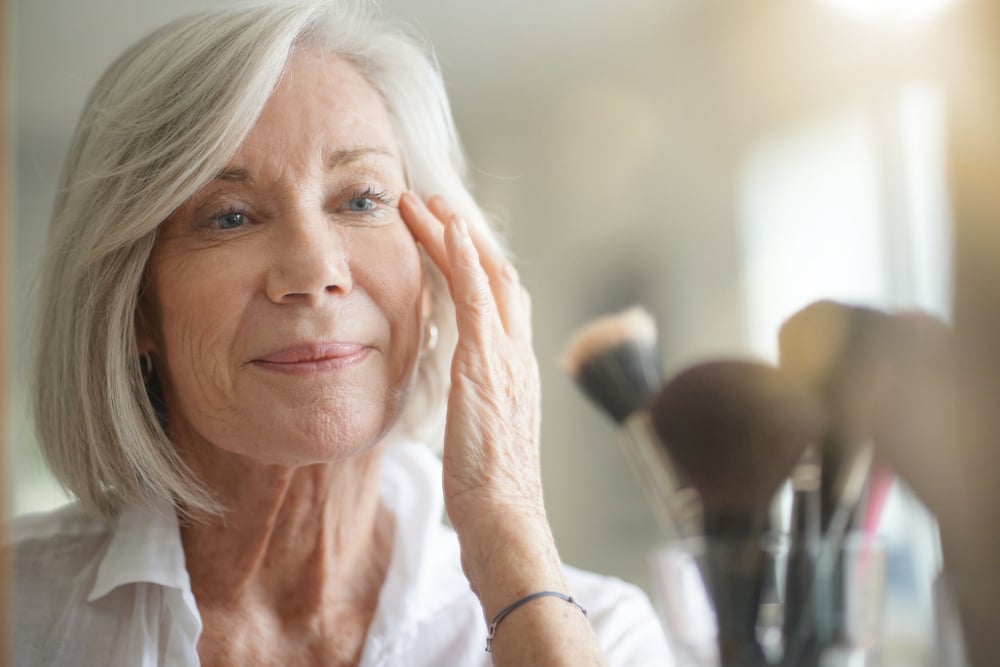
(145, 547)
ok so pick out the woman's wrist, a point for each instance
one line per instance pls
(546, 630)
(509, 560)
(520, 602)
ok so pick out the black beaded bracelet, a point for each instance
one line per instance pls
(528, 598)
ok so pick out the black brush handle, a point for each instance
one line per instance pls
(736, 593)
(734, 566)
(799, 624)
(836, 458)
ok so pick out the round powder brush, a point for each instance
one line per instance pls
(736, 429)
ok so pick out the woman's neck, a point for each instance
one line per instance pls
(294, 542)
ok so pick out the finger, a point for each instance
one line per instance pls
(513, 303)
(503, 278)
(475, 308)
(426, 224)
(427, 229)
(491, 255)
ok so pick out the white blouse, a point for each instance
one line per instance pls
(92, 592)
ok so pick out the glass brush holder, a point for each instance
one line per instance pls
(752, 602)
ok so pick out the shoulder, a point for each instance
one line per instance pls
(626, 625)
(61, 536)
(54, 557)
(58, 539)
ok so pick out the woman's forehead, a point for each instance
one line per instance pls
(325, 105)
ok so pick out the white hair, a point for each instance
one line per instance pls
(162, 121)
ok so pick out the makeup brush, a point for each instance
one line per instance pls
(842, 353)
(804, 539)
(736, 429)
(839, 351)
(615, 361)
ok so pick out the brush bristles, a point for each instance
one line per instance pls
(736, 429)
(615, 361)
(857, 344)
(634, 325)
(839, 352)
(810, 341)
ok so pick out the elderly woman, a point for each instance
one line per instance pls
(251, 319)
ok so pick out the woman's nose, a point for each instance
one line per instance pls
(310, 262)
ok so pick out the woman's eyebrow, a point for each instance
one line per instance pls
(347, 156)
(338, 159)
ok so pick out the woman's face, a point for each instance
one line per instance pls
(285, 302)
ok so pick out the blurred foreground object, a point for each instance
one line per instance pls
(923, 394)
(4, 326)
(970, 531)
(889, 383)
(938, 421)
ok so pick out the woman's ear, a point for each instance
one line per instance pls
(145, 332)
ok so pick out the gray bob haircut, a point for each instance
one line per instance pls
(162, 121)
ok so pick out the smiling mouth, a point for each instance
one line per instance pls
(313, 359)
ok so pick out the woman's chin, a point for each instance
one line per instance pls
(280, 430)
(302, 451)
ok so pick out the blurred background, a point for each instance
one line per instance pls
(721, 163)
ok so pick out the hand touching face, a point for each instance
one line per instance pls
(492, 477)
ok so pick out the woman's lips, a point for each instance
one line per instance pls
(313, 358)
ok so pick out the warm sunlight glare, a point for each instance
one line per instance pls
(891, 10)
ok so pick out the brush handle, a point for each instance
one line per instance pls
(829, 569)
(734, 566)
(837, 454)
(804, 535)
(676, 504)
(632, 445)
(799, 623)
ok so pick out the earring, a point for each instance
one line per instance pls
(430, 336)
(146, 366)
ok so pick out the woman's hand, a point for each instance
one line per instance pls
(492, 474)
(492, 477)
(491, 461)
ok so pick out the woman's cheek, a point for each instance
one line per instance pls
(396, 283)
(199, 304)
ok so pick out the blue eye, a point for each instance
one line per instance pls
(230, 220)
(361, 204)
(368, 201)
